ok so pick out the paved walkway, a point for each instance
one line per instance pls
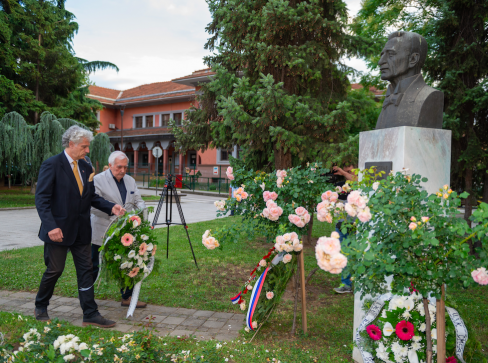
(19, 228)
(202, 324)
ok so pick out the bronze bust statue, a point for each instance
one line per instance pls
(409, 100)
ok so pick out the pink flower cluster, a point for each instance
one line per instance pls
(480, 276)
(281, 174)
(230, 173)
(357, 206)
(136, 221)
(288, 242)
(328, 206)
(414, 224)
(267, 195)
(209, 241)
(240, 194)
(301, 218)
(327, 252)
(272, 211)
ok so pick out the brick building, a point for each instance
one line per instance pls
(136, 120)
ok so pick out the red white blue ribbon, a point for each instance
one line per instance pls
(236, 298)
(256, 292)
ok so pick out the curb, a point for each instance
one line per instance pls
(16, 208)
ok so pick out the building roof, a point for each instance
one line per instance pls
(202, 75)
(147, 92)
(141, 132)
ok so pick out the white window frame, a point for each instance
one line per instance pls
(225, 162)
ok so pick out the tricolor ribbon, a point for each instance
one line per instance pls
(256, 292)
(236, 298)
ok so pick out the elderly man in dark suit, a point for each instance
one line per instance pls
(65, 194)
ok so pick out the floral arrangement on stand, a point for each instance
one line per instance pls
(281, 206)
(267, 281)
(128, 251)
(399, 333)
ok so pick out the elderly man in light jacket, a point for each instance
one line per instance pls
(115, 186)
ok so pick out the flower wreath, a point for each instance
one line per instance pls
(271, 275)
(127, 255)
(398, 334)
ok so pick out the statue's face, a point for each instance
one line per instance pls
(394, 61)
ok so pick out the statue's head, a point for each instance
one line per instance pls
(403, 56)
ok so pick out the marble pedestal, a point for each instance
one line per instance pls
(422, 151)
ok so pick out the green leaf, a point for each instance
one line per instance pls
(464, 195)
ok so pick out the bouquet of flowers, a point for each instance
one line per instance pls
(128, 250)
(398, 334)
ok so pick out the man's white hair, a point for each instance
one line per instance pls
(76, 135)
(116, 155)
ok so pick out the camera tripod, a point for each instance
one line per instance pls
(168, 194)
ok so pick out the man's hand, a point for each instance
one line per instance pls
(56, 235)
(118, 210)
(337, 170)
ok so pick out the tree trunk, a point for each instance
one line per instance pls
(307, 239)
(468, 187)
(282, 159)
(36, 114)
(33, 186)
(429, 352)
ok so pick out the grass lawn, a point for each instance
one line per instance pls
(221, 275)
(16, 197)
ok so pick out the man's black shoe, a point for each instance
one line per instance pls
(41, 314)
(98, 320)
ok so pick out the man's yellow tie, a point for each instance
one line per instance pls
(77, 176)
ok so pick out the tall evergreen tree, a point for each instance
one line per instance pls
(36, 55)
(457, 64)
(280, 91)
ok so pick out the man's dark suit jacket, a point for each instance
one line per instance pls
(59, 203)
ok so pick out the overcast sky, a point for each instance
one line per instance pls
(149, 40)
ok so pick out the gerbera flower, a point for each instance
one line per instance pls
(404, 330)
(142, 248)
(127, 239)
(374, 332)
(136, 221)
(451, 360)
(154, 251)
(134, 272)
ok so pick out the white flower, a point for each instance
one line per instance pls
(249, 287)
(416, 338)
(117, 257)
(263, 186)
(124, 265)
(433, 333)
(388, 329)
(409, 304)
(383, 314)
(262, 263)
(46, 329)
(376, 185)
(144, 237)
(395, 348)
(82, 346)
(416, 346)
(422, 327)
(218, 346)
(129, 264)
(131, 254)
(150, 247)
(68, 357)
(407, 315)
(243, 306)
(403, 351)
(412, 356)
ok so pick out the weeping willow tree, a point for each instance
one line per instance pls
(100, 150)
(16, 147)
(23, 148)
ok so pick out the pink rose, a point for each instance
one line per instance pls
(425, 219)
(229, 173)
(287, 237)
(254, 324)
(333, 197)
(293, 218)
(279, 239)
(279, 182)
(293, 236)
(323, 205)
(361, 203)
(270, 203)
(281, 173)
(275, 213)
(266, 196)
(269, 295)
(412, 226)
(306, 218)
(300, 224)
(266, 213)
(340, 206)
(244, 195)
(335, 235)
(329, 245)
(326, 195)
(323, 259)
(338, 261)
(279, 246)
(413, 219)
(350, 210)
(287, 258)
(354, 197)
(273, 195)
(301, 211)
(335, 271)
(480, 276)
(262, 263)
(364, 215)
(338, 189)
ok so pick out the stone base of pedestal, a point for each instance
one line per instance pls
(422, 151)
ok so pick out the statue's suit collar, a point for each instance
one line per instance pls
(410, 87)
